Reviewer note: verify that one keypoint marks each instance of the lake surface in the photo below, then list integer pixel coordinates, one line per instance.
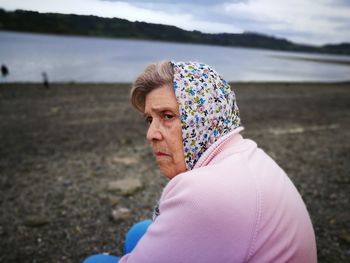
(90, 59)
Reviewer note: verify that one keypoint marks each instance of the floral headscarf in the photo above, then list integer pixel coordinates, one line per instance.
(207, 106)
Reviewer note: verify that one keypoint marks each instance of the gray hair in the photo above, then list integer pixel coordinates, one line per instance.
(154, 76)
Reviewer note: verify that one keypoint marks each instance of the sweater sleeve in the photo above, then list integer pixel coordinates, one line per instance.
(195, 225)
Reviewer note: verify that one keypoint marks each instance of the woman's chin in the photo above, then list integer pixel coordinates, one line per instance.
(166, 171)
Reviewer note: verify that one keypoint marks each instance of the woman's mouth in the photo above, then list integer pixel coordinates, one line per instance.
(161, 154)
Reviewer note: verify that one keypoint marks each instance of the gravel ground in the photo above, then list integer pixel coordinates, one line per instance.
(61, 147)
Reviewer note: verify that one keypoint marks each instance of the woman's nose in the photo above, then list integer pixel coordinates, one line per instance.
(153, 132)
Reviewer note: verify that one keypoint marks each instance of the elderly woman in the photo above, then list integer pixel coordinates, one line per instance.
(227, 200)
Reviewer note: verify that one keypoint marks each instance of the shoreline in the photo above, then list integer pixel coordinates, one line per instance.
(344, 62)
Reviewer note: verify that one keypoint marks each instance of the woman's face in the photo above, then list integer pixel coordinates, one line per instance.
(164, 132)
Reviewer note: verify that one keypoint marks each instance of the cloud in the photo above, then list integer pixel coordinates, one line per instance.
(193, 2)
(341, 2)
(305, 21)
(314, 20)
(126, 10)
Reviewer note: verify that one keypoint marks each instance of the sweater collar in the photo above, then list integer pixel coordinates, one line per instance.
(219, 146)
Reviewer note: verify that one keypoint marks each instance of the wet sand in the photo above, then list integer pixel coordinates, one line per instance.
(60, 147)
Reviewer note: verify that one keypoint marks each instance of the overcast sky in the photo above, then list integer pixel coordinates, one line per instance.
(302, 21)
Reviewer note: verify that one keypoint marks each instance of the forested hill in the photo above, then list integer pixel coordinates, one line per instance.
(28, 21)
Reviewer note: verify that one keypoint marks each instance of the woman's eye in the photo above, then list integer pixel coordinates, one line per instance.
(148, 120)
(168, 116)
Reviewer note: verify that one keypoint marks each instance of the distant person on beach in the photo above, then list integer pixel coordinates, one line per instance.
(46, 82)
(4, 71)
(226, 199)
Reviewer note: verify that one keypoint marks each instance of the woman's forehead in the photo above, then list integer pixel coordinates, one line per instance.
(160, 99)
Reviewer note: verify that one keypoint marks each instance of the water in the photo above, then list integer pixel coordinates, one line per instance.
(90, 59)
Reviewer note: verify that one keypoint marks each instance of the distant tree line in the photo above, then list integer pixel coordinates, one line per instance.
(28, 21)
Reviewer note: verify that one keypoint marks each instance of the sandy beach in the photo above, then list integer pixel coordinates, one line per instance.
(60, 148)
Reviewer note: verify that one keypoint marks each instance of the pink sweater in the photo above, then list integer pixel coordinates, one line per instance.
(237, 205)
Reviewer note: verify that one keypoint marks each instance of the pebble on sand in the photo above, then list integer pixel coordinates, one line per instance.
(121, 214)
(35, 221)
(124, 160)
(125, 186)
